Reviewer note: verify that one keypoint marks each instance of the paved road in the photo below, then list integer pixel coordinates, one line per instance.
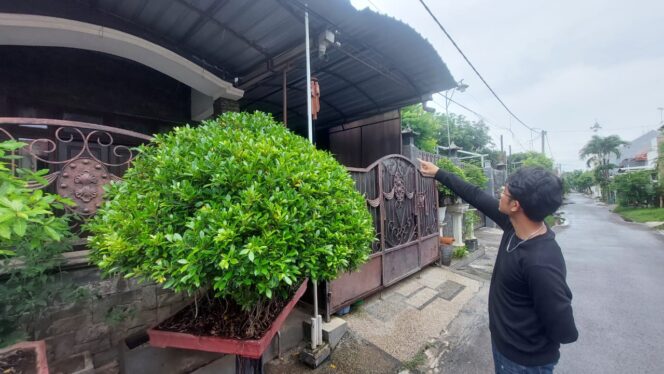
(616, 272)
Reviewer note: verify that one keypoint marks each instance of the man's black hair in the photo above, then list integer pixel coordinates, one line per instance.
(539, 192)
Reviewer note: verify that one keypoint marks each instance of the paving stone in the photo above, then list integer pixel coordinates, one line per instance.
(432, 277)
(422, 298)
(408, 287)
(450, 289)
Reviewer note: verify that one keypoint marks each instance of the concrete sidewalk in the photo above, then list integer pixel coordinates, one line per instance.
(405, 328)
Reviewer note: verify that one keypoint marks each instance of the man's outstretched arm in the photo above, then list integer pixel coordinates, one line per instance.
(481, 200)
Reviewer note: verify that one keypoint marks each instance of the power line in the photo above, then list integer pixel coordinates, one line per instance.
(484, 119)
(374, 5)
(473, 67)
(550, 149)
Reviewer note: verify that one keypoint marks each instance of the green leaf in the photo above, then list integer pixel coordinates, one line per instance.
(19, 227)
(183, 261)
(5, 232)
(52, 233)
(6, 252)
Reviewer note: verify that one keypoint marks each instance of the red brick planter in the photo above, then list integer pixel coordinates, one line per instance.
(250, 348)
(39, 347)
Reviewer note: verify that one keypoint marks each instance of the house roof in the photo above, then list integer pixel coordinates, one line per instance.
(380, 65)
(636, 150)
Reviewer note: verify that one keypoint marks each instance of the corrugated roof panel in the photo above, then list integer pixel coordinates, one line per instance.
(382, 63)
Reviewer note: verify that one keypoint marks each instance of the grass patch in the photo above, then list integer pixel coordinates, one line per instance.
(550, 220)
(420, 358)
(641, 214)
(460, 252)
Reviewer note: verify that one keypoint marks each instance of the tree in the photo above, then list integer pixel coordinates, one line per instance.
(469, 135)
(531, 159)
(426, 125)
(597, 152)
(579, 180)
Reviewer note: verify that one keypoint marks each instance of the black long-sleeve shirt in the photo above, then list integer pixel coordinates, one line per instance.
(530, 304)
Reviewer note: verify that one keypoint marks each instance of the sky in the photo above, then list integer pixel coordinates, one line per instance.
(558, 65)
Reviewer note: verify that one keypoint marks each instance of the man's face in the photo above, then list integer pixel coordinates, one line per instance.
(506, 201)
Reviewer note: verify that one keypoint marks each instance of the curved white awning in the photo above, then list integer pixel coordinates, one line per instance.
(32, 30)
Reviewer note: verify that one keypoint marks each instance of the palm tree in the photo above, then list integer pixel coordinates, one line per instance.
(597, 152)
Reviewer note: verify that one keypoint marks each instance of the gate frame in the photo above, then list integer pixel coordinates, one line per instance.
(422, 243)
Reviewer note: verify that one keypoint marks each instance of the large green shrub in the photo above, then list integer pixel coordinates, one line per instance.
(239, 206)
(635, 189)
(32, 239)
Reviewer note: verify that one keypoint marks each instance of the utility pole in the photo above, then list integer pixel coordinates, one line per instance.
(502, 152)
(543, 135)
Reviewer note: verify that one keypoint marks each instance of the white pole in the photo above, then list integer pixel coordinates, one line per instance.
(306, 44)
(316, 321)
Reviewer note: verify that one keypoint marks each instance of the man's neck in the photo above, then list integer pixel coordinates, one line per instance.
(525, 227)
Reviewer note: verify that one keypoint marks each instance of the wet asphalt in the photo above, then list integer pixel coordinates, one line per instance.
(615, 270)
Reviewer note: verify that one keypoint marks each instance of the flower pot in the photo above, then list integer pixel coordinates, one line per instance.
(445, 254)
(34, 364)
(249, 348)
(446, 240)
(471, 244)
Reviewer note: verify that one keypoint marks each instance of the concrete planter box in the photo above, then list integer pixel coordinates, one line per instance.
(39, 347)
(249, 348)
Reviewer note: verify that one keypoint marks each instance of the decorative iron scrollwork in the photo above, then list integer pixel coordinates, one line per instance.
(80, 177)
(82, 180)
(400, 210)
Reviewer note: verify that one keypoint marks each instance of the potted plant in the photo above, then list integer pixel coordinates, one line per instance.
(470, 219)
(32, 240)
(475, 175)
(446, 240)
(237, 212)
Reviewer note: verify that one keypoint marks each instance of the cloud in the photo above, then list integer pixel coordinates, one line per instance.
(558, 65)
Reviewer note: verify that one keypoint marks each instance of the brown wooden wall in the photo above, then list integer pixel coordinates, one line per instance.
(359, 143)
(72, 84)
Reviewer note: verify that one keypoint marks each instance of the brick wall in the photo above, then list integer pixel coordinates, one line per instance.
(110, 311)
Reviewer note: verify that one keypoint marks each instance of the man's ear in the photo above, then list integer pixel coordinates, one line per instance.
(516, 206)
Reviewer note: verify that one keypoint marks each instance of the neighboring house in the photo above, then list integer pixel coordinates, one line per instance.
(640, 154)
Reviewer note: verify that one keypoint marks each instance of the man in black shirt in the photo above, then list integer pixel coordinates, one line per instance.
(530, 311)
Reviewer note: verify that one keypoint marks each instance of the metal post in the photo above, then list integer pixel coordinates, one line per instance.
(501, 146)
(447, 119)
(316, 328)
(308, 59)
(543, 137)
(285, 99)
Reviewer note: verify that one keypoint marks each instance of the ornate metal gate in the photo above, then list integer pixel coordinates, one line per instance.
(403, 205)
(80, 157)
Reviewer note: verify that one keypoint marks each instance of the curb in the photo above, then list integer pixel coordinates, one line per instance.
(459, 263)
